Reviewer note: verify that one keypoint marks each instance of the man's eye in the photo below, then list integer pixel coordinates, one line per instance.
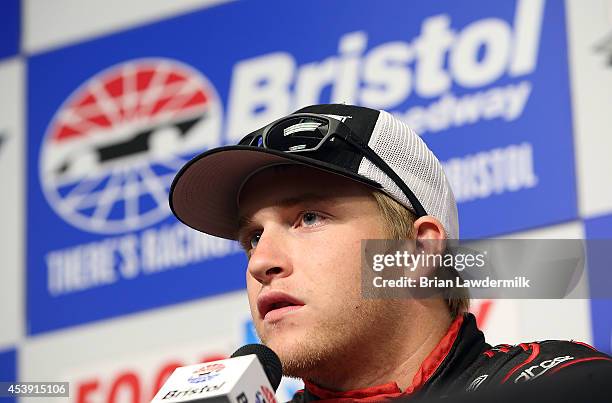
(310, 218)
(254, 240)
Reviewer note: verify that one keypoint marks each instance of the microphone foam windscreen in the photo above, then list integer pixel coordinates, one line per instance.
(268, 358)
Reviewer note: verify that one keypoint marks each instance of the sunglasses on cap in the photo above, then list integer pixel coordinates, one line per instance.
(308, 133)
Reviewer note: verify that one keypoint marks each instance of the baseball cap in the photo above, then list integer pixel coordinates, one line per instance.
(365, 145)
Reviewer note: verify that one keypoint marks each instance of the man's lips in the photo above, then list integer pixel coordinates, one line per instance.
(272, 305)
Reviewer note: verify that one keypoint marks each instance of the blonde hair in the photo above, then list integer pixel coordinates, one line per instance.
(399, 224)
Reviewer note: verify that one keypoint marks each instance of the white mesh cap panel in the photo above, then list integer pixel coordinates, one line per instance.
(405, 152)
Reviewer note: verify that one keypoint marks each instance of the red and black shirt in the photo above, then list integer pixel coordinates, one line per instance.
(463, 362)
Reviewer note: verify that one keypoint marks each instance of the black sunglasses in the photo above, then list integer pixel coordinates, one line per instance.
(308, 132)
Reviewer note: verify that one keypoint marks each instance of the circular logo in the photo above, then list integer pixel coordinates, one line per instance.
(206, 373)
(112, 149)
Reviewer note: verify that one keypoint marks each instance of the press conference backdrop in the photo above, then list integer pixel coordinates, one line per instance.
(102, 102)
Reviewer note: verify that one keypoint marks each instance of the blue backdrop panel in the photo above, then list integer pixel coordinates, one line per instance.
(8, 370)
(600, 228)
(10, 21)
(112, 119)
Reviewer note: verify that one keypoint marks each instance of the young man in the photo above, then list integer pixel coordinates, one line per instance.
(300, 195)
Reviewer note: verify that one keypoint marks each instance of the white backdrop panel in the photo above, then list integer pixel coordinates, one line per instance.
(50, 24)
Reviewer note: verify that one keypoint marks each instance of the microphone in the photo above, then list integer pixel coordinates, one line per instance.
(252, 374)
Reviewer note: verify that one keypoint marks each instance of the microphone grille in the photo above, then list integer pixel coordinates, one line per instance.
(268, 359)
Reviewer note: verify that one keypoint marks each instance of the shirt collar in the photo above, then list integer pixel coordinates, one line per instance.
(391, 390)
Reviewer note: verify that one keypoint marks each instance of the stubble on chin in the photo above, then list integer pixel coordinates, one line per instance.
(301, 356)
(316, 353)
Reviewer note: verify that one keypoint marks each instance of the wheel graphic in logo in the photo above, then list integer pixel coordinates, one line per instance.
(111, 151)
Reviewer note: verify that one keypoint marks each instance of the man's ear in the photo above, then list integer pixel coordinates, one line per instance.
(430, 235)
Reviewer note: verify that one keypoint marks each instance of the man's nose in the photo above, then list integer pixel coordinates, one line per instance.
(270, 259)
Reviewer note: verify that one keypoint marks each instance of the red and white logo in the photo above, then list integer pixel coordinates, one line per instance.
(111, 151)
(206, 373)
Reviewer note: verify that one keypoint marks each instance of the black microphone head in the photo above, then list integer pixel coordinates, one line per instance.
(268, 359)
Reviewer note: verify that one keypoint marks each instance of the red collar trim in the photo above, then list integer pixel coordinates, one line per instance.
(391, 390)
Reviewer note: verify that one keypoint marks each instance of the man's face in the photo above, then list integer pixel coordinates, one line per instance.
(302, 229)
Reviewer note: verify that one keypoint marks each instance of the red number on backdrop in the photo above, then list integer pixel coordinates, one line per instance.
(85, 389)
(127, 380)
(163, 375)
(130, 382)
(481, 311)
